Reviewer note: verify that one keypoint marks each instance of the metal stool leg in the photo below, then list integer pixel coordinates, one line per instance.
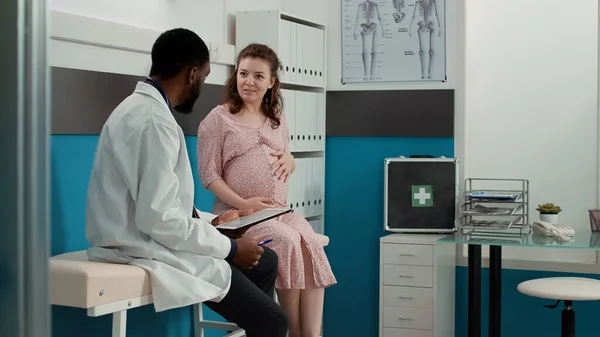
(568, 320)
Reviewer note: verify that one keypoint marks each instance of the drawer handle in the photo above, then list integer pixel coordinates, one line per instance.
(406, 276)
(406, 297)
(405, 319)
(404, 254)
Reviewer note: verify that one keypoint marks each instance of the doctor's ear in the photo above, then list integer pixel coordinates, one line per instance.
(192, 75)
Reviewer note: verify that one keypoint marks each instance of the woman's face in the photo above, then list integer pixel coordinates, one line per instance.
(253, 79)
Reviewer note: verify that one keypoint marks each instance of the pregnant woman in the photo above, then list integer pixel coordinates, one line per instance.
(245, 161)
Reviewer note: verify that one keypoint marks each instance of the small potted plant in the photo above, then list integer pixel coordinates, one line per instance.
(549, 212)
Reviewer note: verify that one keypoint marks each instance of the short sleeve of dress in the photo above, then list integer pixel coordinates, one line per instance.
(210, 149)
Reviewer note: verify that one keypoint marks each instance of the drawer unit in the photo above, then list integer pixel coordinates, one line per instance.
(414, 302)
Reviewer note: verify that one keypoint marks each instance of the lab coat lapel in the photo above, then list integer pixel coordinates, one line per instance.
(146, 89)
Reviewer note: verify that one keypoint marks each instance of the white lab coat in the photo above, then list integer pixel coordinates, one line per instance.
(140, 201)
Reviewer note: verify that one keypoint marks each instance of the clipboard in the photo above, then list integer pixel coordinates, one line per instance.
(254, 218)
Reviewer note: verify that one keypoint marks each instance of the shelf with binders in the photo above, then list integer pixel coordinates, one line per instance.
(305, 115)
(306, 188)
(299, 43)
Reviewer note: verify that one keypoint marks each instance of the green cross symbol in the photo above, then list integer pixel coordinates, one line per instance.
(422, 195)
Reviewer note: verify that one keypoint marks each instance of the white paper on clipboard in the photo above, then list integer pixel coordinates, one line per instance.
(254, 218)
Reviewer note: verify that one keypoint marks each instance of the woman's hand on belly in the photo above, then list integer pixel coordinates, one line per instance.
(284, 166)
(258, 203)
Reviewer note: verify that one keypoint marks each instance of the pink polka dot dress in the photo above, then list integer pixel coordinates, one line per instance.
(241, 156)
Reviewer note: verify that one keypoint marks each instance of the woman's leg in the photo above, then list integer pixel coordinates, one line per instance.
(289, 299)
(311, 301)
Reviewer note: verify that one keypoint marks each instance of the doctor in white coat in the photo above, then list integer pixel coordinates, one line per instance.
(140, 201)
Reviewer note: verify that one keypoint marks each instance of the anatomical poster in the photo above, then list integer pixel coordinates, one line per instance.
(393, 41)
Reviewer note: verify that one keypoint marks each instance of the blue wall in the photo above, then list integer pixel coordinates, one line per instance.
(354, 224)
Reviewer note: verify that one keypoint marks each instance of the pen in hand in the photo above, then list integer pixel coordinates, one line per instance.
(264, 242)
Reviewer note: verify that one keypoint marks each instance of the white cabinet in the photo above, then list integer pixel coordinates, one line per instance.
(300, 45)
(416, 295)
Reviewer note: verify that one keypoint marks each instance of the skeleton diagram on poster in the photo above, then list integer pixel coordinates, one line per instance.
(393, 41)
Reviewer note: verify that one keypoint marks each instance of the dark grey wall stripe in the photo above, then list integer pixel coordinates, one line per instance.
(391, 113)
(82, 100)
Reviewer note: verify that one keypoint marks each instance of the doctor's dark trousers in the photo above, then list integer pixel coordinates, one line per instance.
(249, 302)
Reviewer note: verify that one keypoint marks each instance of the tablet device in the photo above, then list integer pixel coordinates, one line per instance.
(254, 218)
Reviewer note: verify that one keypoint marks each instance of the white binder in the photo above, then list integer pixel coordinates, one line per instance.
(318, 178)
(285, 49)
(289, 110)
(293, 52)
(300, 46)
(320, 60)
(320, 121)
(308, 200)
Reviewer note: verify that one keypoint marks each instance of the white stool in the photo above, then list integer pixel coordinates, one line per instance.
(567, 289)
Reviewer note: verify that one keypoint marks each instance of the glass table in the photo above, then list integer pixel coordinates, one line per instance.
(496, 240)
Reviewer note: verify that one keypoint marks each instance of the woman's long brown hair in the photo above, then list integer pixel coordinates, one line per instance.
(271, 103)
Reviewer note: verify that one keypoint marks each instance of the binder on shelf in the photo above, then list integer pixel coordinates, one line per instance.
(289, 110)
(294, 52)
(318, 179)
(320, 121)
(312, 125)
(308, 45)
(308, 195)
(300, 46)
(320, 57)
(302, 99)
(285, 49)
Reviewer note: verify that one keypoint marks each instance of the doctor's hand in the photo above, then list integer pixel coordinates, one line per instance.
(248, 253)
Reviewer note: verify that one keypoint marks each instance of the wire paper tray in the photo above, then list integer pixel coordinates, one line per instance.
(495, 206)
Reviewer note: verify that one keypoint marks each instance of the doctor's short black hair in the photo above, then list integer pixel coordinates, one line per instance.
(175, 50)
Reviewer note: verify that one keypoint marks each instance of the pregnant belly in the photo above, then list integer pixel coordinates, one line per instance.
(251, 175)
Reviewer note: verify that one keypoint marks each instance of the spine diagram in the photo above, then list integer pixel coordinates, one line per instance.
(399, 14)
